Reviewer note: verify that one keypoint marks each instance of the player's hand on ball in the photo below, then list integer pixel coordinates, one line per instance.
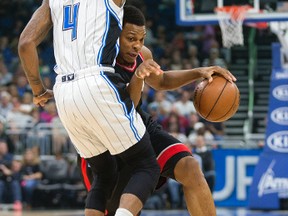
(42, 99)
(146, 68)
(207, 73)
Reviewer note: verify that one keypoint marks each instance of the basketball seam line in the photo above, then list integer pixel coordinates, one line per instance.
(230, 107)
(217, 99)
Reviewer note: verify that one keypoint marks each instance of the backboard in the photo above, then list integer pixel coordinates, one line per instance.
(201, 12)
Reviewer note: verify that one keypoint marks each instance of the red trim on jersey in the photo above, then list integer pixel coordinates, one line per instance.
(129, 69)
(169, 152)
(84, 173)
(132, 68)
(142, 57)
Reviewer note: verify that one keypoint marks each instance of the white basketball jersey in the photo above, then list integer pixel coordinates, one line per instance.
(86, 33)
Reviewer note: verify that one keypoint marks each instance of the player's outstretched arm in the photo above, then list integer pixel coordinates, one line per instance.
(174, 79)
(33, 34)
(144, 70)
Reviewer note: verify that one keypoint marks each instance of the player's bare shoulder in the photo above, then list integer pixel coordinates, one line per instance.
(39, 25)
(119, 3)
(146, 53)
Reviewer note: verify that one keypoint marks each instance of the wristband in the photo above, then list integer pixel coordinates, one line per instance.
(41, 94)
(138, 75)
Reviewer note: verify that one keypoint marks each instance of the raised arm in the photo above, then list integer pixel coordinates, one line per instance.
(174, 79)
(33, 34)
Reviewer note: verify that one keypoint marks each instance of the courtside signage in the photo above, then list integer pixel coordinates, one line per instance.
(269, 183)
(270, 180)
(280, 116)
(281, 92)
(278, 141)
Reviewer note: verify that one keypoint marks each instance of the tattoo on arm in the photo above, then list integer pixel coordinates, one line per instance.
(40, 24)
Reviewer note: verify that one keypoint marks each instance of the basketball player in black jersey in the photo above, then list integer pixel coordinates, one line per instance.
(174, 158)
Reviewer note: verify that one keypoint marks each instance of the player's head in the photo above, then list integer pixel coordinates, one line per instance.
(133, 34)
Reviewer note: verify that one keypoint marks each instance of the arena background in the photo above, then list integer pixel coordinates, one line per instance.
(249, 150)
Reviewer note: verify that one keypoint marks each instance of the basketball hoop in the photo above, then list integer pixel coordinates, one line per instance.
(231, 21)
(281, 30)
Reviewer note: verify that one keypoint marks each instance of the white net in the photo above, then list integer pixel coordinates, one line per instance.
(231, 24)
(281, 30)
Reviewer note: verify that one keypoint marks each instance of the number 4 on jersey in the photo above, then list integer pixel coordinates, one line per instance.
(70, 18)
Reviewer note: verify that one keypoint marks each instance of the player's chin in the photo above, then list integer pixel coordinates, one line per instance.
(130, 59)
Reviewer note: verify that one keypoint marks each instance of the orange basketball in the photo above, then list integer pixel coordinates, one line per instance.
(216, 101)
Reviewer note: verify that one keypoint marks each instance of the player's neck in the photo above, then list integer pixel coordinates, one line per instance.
(124, 63)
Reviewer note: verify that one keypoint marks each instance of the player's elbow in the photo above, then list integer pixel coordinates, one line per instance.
(24, 44)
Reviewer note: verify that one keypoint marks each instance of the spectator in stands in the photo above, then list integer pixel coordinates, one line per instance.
(13, 91)
(214, 59)
(27, 103)
(5, 137)
(49, 112)
(200, 129)
(185, 106)
(5, 103)
(208, 164)
(150, 40)
(6, 49)
(56, 171)
(31, 176)
(18, 119)
(59, 136)
(175, 193)
(193, 56)
(179, 42)
(161, 105)
(22, 85)
(209, 41)
(175, 122)
(9, 179)
(176, 63)
(5, 75)
(217, 129)
(193, 118)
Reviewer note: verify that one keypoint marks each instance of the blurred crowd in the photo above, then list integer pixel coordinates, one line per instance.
(31, 132)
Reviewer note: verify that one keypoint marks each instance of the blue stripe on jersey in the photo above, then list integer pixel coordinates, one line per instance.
(117, 51)
(108, 51)
(113, 13)
(100, 55)
(123, 105)
(110, 48)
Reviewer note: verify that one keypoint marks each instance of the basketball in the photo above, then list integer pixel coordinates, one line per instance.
(216, 101)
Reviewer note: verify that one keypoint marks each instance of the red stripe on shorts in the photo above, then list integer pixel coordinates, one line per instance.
(84, 174)
(169, 152)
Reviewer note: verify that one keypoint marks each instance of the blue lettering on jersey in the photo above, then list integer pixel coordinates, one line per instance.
(70, 18)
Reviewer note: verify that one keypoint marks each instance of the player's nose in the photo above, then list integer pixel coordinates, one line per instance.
(137, 47)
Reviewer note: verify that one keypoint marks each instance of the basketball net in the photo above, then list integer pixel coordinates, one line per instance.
(281, 30)
(231, 21)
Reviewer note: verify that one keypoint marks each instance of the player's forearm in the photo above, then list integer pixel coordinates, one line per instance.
(174, 79)
(33, 34)
(134, 89)
(30, 63)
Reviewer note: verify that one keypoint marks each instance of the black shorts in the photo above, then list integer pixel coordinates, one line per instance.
(169, 151)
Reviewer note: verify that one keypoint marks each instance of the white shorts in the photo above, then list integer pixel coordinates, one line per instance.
(94, 113)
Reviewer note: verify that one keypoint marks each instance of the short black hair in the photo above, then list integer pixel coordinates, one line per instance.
(133, 16)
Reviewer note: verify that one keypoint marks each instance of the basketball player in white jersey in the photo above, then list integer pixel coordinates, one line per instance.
(92, 100)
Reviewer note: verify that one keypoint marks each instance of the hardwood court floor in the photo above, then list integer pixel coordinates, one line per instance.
(220, 212)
